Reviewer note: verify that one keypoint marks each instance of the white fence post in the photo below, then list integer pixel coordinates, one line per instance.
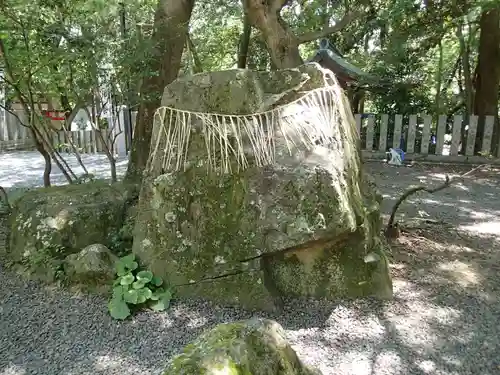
(489, 121)
(426, 134)
(456, 134)
(398, 125)
(441, 131)
(412, 131)
(382, 140)
(370, 127)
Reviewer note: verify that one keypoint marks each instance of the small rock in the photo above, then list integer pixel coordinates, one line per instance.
(95, 263)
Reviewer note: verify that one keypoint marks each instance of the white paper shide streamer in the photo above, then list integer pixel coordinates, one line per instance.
(228, 138)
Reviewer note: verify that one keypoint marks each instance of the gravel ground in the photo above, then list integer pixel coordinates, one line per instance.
(470, 205)
(23, 169)
(445, 318)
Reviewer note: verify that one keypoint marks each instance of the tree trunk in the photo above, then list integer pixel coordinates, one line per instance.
(468, 88)
(171, 25)
(244, 44)
(465, 54)
(112, 164)
(487, 80)
(439, 81)
(46, 157)
(281, 43)
(45, 138)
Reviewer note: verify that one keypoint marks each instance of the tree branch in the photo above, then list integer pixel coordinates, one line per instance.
(391, 226)
(314, 35)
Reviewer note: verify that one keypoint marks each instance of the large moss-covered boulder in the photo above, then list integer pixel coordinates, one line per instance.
(48, 224)
(307, 224)
(251, 347)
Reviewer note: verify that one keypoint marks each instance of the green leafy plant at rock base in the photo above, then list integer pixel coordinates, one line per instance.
(135, 288)
(45, 262)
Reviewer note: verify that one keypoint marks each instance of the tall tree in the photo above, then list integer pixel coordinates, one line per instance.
(281, 41)
(487, 80)
(170, 29)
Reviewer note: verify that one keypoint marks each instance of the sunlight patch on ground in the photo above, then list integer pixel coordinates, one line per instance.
(402, 286)
(414, 332)
(435, 179)
(427, 367)
(13, 370)
(462, 273)
(113, 363)
(478, 215)
(388, 363)
(160, 322)
(452, 360)
(23, 169)
(355, 362)
(367, 323)
(107, 362)
(488, 227)
(437, 202)
(193, 319)
(416, 326)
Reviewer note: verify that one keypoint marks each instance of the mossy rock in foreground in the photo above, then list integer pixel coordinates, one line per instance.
(250, 347)
(48, 224)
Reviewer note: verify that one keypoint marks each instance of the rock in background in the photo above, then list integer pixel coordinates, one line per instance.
(306, 225)
(48, 224)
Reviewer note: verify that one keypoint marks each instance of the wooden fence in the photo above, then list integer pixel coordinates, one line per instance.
(452, 140)
(85, 141)
(420, 136)
(16, 137)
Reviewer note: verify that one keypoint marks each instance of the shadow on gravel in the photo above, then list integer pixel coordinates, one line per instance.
(444, 320)
(470, 204)
(51, 332)
(449, 320)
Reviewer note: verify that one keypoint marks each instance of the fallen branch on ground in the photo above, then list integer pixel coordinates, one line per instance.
(392, 229)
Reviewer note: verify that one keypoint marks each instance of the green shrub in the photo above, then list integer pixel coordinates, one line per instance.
(134, 288)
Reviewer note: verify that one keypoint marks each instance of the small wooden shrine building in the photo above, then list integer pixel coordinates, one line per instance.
(352, 79)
